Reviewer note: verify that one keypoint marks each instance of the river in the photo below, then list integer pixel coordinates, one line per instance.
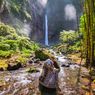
(20, 82)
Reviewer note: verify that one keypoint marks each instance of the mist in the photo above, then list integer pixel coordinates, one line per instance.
(25, 29)
(70, 12)
(43, 2)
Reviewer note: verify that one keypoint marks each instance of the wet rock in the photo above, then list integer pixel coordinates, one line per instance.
(36, 60)
(1, 69)
(14, 67)
(24, 91)
(30, 61)
(15, 91)
(16, 85)
(19, 83)
(65, 65)
(25, 81)
(74, 66)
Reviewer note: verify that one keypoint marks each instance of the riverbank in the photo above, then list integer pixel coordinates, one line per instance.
(72, 78)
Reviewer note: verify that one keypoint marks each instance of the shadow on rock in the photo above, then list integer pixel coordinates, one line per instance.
(47, 91)
(14, 67)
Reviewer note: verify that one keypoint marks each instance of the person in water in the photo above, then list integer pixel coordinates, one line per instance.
(49, 77)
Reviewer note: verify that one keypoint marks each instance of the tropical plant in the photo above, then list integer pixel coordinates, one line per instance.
(70, 40)
(13, 43)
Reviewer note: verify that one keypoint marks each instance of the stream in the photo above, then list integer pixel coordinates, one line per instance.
(20, 82)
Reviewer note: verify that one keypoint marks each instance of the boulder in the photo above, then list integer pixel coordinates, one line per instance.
(42, 54)
(14, 66)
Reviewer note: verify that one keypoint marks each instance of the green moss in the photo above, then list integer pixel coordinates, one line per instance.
(32, 70)
(4, 47)
(43, 54)
(6, 54)
(13, 44)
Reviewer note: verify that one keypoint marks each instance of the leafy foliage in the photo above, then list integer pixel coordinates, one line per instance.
(6, 30)
(6, 54)
(19, 8)
(70, 40)
(68, 36)
(22, 60)
(13, 43)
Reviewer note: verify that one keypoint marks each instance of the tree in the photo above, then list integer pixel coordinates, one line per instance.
(87, 26)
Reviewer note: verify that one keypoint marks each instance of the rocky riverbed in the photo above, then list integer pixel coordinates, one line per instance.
(21, 82)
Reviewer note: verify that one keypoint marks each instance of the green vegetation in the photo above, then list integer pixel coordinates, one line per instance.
(70, 41)
(18, 8)
(11, 44)
(42, 54)
(32, 70)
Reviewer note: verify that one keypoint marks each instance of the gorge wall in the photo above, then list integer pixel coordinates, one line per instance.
(62, 15)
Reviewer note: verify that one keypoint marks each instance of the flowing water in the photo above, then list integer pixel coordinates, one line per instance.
(20, 82)
(46, 30)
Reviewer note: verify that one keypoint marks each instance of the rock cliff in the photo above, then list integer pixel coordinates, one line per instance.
(62, 15)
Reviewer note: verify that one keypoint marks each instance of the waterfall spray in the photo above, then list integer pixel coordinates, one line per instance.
(46, 30)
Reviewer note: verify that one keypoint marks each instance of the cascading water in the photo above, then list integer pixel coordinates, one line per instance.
(46, 30)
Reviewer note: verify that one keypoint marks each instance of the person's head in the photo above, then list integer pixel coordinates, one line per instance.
(48, 61)
(52, 58)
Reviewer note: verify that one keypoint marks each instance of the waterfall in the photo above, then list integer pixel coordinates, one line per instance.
(46, 30)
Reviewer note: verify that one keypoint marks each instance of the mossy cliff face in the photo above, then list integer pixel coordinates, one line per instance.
(26, 16)
(62, 14)
(37, 11)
